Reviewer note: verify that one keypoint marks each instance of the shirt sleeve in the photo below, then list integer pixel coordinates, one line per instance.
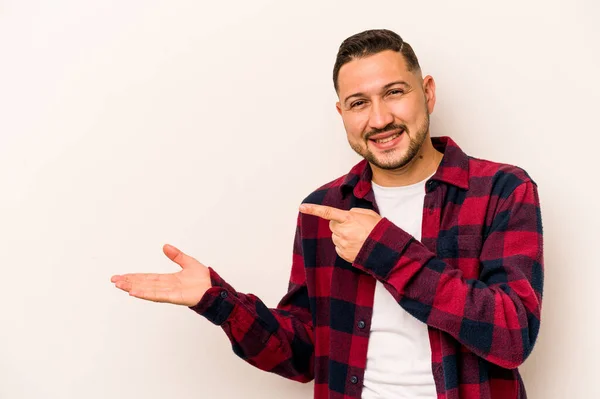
(278, 340)
(497, 315)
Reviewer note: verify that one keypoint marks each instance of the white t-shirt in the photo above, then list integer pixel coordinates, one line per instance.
(399, 352)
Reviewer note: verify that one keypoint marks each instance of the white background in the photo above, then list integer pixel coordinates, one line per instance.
(125, 125)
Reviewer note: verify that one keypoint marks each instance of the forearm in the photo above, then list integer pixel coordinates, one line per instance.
(278, 340)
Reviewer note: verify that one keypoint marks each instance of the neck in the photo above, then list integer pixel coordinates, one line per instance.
(423, 165)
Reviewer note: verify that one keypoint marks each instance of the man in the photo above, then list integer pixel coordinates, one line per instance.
(418, 274)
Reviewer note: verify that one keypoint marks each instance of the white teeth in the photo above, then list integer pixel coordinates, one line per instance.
(381, 141)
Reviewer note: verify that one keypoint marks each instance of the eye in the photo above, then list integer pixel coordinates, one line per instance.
(357, 104)
(395, 92)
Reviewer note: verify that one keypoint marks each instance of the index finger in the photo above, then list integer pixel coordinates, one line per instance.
(325, 212)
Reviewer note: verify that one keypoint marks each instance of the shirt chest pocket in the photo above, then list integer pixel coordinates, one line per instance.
(461, 251)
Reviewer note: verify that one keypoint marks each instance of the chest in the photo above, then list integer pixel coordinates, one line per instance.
(446, 220)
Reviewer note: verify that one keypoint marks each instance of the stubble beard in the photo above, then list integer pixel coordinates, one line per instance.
(391, 160)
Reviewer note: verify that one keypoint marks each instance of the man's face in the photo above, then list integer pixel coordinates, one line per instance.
(385, 108)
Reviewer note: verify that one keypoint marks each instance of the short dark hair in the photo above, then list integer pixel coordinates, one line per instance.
(371, 42)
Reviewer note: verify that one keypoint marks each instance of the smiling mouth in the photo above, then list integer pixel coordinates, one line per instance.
(386, 138)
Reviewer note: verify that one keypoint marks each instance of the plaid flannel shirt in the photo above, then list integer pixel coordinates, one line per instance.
(475, 279)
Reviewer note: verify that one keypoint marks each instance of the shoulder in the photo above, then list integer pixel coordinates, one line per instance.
(334, 193)
(501, 179)
(329, 193)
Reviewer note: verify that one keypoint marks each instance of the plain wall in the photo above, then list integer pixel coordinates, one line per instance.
(127, 125)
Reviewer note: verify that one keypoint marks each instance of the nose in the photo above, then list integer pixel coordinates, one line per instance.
(380, 115)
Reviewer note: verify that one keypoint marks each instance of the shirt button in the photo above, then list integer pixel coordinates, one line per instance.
(354, 379)
(361, 324)
(223, 294)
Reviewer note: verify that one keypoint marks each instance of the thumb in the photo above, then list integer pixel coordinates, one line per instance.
(178, 257)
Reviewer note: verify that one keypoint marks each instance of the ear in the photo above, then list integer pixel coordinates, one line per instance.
(338, 106)
(429, 90)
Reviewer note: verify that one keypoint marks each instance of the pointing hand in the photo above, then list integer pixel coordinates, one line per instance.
(350, 228)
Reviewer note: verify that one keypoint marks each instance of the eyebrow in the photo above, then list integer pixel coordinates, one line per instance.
(387, 86)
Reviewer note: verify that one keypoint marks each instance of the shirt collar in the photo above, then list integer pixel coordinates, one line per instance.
(453, 169)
